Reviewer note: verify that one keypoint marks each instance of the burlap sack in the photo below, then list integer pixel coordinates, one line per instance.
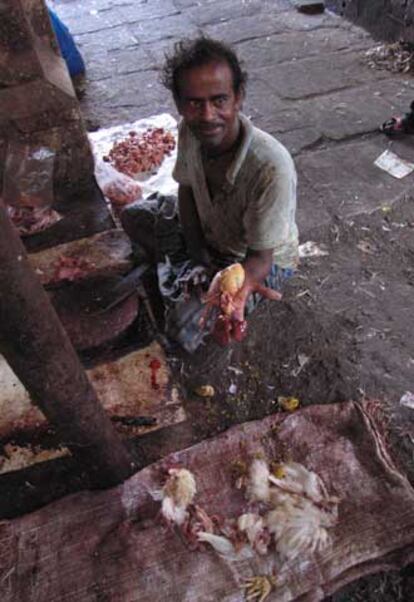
(112, 546)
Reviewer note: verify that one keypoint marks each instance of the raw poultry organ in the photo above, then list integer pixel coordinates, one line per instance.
(30, 220)
(222, 293)
(70, 268)
(123, 194)
(141, 153)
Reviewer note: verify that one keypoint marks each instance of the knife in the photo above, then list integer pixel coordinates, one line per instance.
(122, 290)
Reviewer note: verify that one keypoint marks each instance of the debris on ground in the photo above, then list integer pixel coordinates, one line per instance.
(312, 249)
(397, 57)
(205, 391)
(288, 404)
(394, 165)
(407, 400)
(16, 457)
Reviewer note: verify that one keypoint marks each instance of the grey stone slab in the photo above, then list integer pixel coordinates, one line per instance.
(267, 22)
(298, 140)
(403, 147)
(292, 20)
(337, 116)
(183, 4)
(106, 64)
(224, 10)
(155, 9)
(263, 106)
(398, 91)
(135, 89)
(178, 26)
(349, 113)
(93, 21)
(108, 115)
(245, 28)
(343, 181)
(317, 75)
(76, 9)
(157, 50)
(117, 38)
(281, 47)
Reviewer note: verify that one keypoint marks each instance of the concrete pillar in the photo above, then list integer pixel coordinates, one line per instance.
(38, 105)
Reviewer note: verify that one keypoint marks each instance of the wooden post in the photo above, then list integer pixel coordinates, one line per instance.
(39, 351)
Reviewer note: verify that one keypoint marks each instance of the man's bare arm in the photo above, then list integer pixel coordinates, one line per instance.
(190, 222)
(257, 265)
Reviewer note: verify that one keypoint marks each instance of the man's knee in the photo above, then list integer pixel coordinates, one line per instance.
(135, 221)
(139, 224)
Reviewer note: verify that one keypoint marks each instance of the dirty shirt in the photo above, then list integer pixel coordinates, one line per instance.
(256, 206)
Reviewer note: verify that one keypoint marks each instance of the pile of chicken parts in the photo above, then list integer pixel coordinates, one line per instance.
(142, 153)
(288, 513)
(30, 220)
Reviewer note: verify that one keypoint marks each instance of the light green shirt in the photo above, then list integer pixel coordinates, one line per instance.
(256, 207)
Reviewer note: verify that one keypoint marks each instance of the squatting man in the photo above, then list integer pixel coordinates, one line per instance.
(236, 197)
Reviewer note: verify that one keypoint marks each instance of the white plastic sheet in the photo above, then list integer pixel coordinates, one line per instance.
(161, 181)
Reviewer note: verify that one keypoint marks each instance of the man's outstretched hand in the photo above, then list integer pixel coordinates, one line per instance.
(250, 287)
(229, 291)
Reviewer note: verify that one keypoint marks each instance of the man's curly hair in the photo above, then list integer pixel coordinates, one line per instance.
(189, 53)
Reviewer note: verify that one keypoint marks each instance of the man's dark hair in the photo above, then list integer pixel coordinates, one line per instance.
(195, 53)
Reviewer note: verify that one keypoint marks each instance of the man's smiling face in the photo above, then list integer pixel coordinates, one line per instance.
(209, 105)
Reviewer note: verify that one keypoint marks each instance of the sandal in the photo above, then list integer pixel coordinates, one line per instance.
(397, 126)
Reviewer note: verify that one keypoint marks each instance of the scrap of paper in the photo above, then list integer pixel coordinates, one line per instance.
(394, 165)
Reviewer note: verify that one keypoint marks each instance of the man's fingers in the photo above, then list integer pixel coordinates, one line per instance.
(268, 293)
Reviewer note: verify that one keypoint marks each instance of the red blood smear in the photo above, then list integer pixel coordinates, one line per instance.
(154, 365)
(222, 330)
(239, 330)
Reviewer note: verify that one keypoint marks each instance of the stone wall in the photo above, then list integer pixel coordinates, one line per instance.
(388, 20)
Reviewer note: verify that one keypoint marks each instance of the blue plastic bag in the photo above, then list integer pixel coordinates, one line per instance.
(68, 49)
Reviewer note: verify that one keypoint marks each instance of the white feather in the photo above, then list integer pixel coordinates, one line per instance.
(298, 528)
(224, 546)
(253, 526)
(258, 483)
(298, 479)
(172, 512)
(178, 493)
(181, 486)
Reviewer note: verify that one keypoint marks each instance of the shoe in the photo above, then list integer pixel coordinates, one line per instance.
(397, 126)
